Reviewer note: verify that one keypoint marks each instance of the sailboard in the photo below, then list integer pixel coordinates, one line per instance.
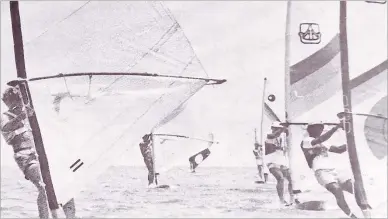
(313, 82)
(101, 89)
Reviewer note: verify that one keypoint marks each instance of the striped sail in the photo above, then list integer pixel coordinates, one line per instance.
(368, 70)
(314, 75)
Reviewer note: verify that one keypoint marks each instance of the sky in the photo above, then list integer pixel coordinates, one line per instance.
(242, 42)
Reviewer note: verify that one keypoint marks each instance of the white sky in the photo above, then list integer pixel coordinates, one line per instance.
(238, 41)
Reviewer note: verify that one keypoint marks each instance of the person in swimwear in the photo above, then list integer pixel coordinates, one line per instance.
(259, 156)
(275, 157)
(17, 132)
(146, 151)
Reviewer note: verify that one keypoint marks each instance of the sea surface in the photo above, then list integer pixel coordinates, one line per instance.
(122, 192)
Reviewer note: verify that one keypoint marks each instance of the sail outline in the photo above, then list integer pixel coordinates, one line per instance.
(19, 58)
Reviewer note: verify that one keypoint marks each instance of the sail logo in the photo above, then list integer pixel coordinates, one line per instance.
(309, 33)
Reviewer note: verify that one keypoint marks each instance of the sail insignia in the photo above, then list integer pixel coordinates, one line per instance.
(309, 33)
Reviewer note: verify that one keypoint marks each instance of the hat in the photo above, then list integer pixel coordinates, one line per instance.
(315, 123)
(276, 124)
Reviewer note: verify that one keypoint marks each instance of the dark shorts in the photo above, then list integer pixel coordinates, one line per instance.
(25, 159)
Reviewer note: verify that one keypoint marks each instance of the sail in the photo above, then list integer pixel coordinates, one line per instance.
(196, 159)
(369, 81)
(368, 85)
(313, 69)
(100, 78)
(172, 150)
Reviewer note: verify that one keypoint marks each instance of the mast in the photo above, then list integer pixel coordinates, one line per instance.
(287, 88)
(153, 159)
(21, 73)
(262, 111)
(347, 102)
(261, 140)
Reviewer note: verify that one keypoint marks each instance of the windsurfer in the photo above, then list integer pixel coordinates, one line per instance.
(258, 152)
(17, 132)
(276, 160)
(146, 151)
(317, 158)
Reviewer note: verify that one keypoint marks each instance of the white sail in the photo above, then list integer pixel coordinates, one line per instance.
(368, 86)
(369, 81)
(90, 106)
(313, 73)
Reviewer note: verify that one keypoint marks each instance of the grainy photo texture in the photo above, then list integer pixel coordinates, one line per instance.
(176, 109)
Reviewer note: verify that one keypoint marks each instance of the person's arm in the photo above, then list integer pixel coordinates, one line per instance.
(276, 133)
(9, 125)
(256, 150)
(257, 145)
(325, 136)
(270, 147)
(310, 149)
(338, 149)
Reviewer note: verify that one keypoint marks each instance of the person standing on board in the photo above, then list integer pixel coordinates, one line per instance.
(275, 157)
(146, 151)
(317, 157)
(258, 152)
(17, 132)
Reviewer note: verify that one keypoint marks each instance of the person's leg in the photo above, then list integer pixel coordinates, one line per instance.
(150, 167)
(347, 185)
(328, 179)
(277, 173)
(69, 209)
(32, 173)
(260, 170)
(265, 173)
(148, 161)
(287, 175)
(259, 164)
(338, 193)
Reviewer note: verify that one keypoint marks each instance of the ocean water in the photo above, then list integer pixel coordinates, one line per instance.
(122, 192)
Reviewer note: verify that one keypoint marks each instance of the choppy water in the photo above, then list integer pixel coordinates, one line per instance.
(122, 192)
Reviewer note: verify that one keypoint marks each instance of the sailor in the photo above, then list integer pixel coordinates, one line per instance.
(259, 156)
(17, 132)
(275, 157)
(317, 157)
(146, 151)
